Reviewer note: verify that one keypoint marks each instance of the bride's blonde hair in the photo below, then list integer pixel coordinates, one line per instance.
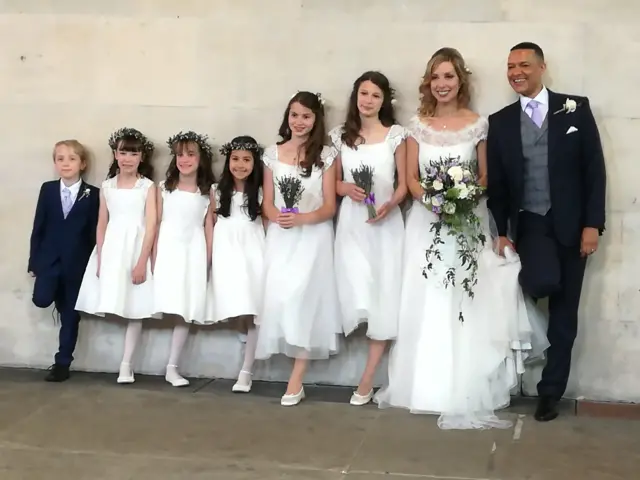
(427, 100)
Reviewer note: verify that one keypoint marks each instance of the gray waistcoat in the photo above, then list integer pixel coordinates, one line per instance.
(536, 195)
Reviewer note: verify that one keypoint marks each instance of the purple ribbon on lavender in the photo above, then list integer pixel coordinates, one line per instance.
(370, 199)
(289, 210)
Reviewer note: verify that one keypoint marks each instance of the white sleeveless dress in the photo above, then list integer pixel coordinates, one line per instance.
(180, 274)
(237, 270)
(368, 257)
(462, 372)
(300, 314)
(113, 292)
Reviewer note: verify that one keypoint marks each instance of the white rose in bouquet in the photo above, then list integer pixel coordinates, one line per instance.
(463, 191)
(456, 173)
(437, 185)
(449, 208)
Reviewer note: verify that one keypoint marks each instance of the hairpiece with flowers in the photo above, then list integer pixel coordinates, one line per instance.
(253, 147)
(121, 133)
(393, 96)
(317, 94)
(190, 136)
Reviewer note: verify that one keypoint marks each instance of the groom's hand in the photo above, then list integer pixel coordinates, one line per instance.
(504, 242)
(589, 243)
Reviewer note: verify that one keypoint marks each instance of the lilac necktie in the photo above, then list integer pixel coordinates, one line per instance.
(66, 202)
(536, 114)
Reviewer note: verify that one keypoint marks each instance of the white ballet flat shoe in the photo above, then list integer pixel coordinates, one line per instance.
(358, 400)
(126, 374)
(243, 385)
(174, 378)
(292, 399)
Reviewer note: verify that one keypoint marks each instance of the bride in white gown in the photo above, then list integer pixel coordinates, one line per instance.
(461, 371)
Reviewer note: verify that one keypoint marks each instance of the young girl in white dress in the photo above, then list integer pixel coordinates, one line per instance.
(238, 246)
(300, 314)
(370, 231)
(182, 252)
(461, 371)
(118, 278)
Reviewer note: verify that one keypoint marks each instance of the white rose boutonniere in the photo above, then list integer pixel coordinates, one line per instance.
(568, 107)
(85, 193)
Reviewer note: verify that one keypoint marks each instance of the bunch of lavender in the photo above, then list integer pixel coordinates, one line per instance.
(291, 190)
(363, 178)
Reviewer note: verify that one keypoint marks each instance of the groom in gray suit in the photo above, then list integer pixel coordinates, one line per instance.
(546, 187)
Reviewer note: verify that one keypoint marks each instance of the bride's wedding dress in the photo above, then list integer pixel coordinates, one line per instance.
(461, 371)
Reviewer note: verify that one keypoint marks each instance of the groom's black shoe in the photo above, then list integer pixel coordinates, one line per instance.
(547, 409)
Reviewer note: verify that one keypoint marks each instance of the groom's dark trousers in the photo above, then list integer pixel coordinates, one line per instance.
(546, 185)
(551, 269)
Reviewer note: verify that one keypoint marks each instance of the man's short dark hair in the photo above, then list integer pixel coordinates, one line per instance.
(530, 46)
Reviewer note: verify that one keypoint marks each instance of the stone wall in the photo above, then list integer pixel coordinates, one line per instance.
(78, 68)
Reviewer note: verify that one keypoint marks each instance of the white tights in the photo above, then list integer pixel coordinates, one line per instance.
(250, 349)
(178, 340)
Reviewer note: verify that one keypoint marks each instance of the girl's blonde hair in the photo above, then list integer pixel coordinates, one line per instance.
(427, 100)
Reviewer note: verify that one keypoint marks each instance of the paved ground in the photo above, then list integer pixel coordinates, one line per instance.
(92, 429)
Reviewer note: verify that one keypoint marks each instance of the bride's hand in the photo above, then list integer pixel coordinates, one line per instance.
(504, 242)
(419, 196)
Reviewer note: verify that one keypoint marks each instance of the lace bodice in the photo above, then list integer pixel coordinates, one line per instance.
(312, 197)
(126, 205)
(436, 144)
(380, 156)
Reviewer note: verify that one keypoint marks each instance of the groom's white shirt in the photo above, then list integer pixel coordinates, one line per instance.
(542, 98)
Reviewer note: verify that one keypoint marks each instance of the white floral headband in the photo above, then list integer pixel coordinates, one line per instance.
(319, 95)
(124, 132)
(190, 136)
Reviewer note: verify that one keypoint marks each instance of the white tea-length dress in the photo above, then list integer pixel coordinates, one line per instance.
(180, 273)
(114, 292)
(237, 267)
(461, 371)
(368, 257)
(300, 313)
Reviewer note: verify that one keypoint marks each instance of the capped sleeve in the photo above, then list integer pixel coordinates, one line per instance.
(397, 134)
(328, 156)
(335, 136)
(269, 156)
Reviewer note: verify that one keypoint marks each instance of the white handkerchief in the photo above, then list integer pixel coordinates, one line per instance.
(571, 130)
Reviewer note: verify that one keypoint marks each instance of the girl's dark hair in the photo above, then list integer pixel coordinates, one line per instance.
(252, 185)
(131, 140)
(313, 146)
(353, 123)
(204, 174)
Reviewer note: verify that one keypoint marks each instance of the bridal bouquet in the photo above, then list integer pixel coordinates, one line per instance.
(452, 192)
(291, 190)
(363, 178)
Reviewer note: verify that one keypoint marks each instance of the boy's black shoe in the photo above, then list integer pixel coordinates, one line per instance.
(547, 409)
(57, 373)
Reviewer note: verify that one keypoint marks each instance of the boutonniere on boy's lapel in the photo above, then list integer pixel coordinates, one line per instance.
(85, 193)
(568, 107)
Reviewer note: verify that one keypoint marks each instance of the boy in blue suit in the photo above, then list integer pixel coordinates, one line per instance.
(63, 236)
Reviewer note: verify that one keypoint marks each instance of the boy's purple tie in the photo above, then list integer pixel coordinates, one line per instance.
(66, 202)
(536, 114)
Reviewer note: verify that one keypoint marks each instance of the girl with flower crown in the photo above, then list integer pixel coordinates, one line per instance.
(300, 314)
(238, 246)
(118, 278)
(182, 252)
(370, 231)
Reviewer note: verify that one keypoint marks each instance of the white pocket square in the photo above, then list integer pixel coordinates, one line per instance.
(571, 130)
